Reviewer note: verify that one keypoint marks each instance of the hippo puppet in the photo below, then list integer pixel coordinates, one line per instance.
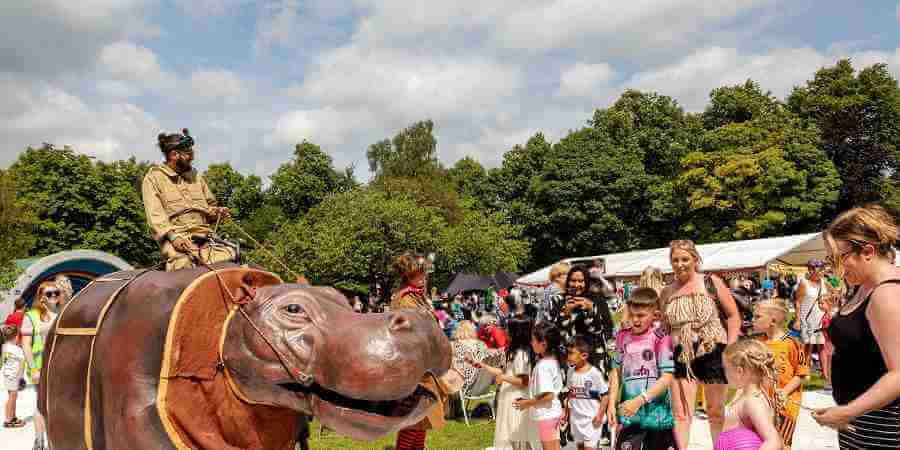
(230, 358)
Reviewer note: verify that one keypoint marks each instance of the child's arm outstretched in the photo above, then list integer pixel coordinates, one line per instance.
(601, 412)
(519, 381)
(758, 413)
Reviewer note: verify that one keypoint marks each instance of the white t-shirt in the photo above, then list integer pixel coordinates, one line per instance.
(13, 359)
(585, 390)
(546, 377)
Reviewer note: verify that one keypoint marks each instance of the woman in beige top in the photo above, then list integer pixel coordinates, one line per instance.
(692, 314)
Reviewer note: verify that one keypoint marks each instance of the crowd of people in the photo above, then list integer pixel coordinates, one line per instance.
(564, 370)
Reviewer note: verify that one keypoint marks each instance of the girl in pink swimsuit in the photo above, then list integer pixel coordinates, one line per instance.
(750, 417)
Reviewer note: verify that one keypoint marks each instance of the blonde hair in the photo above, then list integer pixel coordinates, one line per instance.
(38, 304)
(652, 278)
(560, 268)
(867, 225)
(465, 330)
(688, 246)
(777, 305)
(754, 356)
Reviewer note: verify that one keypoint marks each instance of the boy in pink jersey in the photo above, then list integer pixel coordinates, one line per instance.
(644, 367)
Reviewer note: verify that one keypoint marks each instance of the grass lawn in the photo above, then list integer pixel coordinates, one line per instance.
(454, 436)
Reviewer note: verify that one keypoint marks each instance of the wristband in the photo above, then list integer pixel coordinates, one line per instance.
(645, 397)
(170, 236)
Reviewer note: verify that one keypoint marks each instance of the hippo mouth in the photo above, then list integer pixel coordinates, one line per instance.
(364, 419)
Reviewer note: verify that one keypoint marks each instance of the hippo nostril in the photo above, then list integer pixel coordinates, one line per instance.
(399, 323)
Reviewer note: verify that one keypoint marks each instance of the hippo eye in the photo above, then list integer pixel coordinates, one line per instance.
(293, 308)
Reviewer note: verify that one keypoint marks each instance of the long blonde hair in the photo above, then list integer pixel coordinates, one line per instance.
(754, 356)
(465, 330)
(652, 278)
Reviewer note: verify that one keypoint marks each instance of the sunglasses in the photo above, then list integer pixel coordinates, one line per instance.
(51, 294)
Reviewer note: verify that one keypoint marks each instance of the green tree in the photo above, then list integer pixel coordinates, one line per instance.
(412, 153)
(656, 127)
(243, 194)
(17, 222)
(758, 173)
(859, 117)
(407, 166)
(468, 177)
(306, 180)
(349, 239)
(62, 186)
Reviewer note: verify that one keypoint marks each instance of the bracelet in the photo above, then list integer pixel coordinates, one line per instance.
(170, 236)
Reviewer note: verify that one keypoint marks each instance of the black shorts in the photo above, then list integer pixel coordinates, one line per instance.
(708, 368)
(633, 437)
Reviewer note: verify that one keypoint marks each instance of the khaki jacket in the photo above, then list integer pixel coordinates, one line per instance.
(176, 203)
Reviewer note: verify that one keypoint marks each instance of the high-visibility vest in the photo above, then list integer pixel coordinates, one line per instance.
(37, 341)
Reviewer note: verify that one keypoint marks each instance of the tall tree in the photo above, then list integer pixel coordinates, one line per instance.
(412, 153)
(859, 117)
(242, 194)
(758, 173)
(62, 187)
(468, 178)
(307, 179)
(407, 166)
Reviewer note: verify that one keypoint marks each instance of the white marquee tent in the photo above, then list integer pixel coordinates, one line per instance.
(749, 255)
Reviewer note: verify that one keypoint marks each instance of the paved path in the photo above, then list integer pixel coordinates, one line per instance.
(809, 435)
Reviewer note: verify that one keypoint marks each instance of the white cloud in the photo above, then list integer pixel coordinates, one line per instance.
(691, 79)
(129, 62)
(277, 24)
(216, 84)
(321, 126)
(40, 112)
(408, 85)
(582, 78)
(49, 37)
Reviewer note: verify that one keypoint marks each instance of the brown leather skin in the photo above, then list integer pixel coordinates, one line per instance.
(352, 358)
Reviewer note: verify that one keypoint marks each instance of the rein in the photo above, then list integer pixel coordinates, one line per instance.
(297, 375)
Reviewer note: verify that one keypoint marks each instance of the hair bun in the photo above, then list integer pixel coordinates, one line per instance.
(161, 137)
(185, 132)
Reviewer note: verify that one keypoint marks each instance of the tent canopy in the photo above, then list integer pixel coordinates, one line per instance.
(793, 250)
(471, 282)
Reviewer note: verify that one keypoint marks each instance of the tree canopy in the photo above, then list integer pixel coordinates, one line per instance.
(638, 173)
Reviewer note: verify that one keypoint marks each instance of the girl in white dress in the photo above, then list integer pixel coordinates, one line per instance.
(515, 429)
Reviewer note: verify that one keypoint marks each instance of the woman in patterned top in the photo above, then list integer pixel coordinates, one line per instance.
(692, 314)
(585, 314)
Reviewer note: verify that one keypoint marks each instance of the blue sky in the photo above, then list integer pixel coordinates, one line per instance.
(250, 79)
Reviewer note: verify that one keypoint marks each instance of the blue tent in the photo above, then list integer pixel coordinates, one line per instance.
(81, 266)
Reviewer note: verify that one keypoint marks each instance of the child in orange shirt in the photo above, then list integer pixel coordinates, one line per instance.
(791, 362)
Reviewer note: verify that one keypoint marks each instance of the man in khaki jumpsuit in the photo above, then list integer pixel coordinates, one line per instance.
(179, 205)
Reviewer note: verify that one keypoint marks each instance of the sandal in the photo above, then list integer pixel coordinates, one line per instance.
(14, 423)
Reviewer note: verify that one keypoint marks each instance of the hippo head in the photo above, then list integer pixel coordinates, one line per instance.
(358, 373)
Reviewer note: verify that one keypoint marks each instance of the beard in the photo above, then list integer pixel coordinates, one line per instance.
(182, 166)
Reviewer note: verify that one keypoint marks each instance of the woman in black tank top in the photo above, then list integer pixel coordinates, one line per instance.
(865, 332)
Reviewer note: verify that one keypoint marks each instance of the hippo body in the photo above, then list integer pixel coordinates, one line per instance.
(359, 372)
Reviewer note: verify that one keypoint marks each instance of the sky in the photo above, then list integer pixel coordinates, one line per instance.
(251, 79)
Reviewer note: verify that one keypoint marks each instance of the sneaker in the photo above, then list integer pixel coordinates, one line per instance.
(39, 444)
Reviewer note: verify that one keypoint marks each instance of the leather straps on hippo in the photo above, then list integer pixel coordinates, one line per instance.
(240, 356)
